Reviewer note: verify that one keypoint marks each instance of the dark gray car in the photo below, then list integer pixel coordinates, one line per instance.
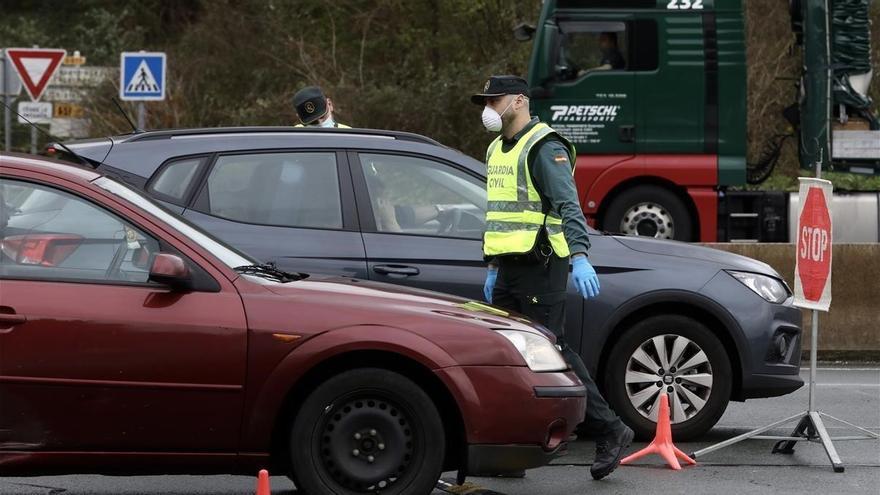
(702, 325)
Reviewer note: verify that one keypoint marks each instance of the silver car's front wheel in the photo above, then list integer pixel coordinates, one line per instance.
(673, 355)
(669, 364)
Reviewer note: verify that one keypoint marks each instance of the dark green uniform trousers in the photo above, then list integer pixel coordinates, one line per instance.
(538, 291)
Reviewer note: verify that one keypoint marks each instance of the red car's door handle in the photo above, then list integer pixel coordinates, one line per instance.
(9, 319)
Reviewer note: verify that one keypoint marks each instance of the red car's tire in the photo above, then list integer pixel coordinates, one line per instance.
(367, 430)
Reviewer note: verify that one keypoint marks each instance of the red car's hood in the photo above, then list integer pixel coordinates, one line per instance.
(389, 303)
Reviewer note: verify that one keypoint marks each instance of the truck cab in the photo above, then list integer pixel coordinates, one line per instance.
(653, 94)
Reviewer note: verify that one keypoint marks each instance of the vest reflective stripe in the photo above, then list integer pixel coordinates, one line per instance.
(514, 214)
(496, 226)
(513, 206)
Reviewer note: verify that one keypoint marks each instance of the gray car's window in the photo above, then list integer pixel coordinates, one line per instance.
(52, 235)
(175, 178)
(284, 189)
(412, 195)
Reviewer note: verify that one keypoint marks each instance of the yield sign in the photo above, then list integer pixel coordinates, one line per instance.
(812, 279)
(35, 67)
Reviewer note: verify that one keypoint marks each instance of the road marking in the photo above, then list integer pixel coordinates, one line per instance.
(859, 385)
(807, 369)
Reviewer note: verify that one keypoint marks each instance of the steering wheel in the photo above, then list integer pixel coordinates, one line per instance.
(449, 221)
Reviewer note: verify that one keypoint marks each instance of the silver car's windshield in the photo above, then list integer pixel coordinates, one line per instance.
(229, 256)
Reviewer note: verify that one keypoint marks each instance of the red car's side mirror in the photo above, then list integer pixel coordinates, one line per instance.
(170, 270)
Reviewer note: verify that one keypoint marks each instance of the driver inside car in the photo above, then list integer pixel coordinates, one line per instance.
(392, 217)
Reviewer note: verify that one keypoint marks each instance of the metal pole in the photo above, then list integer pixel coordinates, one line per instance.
(7, 115)
(142, 115)
(34, 132)
(7, 123)
(814, 343)
(814, 338)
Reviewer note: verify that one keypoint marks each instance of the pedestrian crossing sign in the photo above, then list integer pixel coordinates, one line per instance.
(142, 76)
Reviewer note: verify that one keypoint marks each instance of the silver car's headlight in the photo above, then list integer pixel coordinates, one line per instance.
(538, 352)
(771, 289)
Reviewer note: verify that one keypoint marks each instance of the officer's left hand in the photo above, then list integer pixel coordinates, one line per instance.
(585, 279)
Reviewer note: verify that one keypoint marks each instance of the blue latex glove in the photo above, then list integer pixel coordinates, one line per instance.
(491, 277)
(585, 279)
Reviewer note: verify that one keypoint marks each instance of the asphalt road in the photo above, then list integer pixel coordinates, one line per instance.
(852, 394)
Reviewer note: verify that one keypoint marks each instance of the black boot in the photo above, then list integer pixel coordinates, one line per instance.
(609, 452)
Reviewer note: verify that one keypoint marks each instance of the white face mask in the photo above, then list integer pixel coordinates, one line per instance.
(328, 123)
(492, 119)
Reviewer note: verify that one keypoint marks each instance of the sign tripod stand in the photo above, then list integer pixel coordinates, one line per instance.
(810, 426)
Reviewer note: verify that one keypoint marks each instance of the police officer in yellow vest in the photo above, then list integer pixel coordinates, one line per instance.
(315, 109)
(534, 223)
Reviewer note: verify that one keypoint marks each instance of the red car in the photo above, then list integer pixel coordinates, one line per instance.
(133, 342)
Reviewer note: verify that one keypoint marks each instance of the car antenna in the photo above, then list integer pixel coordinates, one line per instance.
(58, 141)
(134, 128)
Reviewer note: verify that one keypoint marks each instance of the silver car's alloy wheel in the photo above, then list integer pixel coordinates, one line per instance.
(648, 219)
(673, 365)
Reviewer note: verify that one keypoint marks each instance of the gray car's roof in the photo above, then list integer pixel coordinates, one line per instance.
(157, 145)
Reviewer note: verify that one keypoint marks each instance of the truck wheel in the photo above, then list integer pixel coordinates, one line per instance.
(367, 431)
(674, 355)
(651, 211)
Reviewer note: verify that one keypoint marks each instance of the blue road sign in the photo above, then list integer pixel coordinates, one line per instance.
(142, 76)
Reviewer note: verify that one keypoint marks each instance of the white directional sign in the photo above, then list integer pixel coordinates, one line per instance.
(37, 112)
(142, 76)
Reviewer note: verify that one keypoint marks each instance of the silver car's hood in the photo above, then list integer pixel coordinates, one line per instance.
(678, 249)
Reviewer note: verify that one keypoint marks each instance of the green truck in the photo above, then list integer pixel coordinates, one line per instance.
(653, 93)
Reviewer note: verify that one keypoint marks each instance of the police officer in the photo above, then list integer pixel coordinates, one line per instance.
(315, 109)
(534, 223)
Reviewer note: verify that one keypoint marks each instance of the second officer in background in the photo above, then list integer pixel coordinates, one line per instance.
(315, 109)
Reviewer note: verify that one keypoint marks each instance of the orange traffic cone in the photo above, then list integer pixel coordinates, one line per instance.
(263, 483)
(662, 443)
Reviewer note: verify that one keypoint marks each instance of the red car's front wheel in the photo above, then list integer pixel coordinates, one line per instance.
(367, 431)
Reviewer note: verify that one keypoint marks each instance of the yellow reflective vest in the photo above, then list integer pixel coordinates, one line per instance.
(338, 126)
(514, 214)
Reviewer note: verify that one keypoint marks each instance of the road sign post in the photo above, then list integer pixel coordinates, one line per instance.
(11, 87)
(7, 123)
(142, 78)
(5, 76)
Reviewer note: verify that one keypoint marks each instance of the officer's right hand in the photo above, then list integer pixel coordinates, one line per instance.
(585, 279)
(489, 286)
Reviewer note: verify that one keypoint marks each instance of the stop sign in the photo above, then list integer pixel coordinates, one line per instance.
(813, 265)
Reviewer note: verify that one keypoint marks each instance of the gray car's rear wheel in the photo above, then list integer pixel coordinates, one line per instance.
(672, 355)
(367, 431)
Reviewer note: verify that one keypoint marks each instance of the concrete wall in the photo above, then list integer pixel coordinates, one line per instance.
(852, 326)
